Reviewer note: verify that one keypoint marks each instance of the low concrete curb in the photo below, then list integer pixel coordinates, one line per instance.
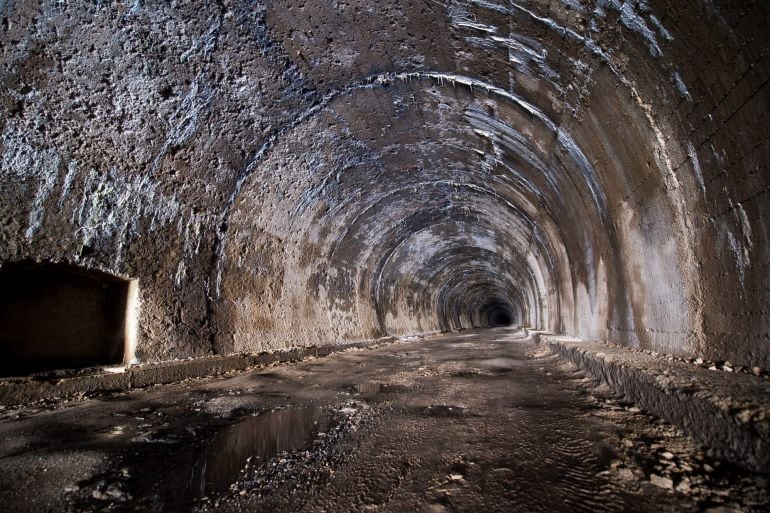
(16, 391)
(728, 413)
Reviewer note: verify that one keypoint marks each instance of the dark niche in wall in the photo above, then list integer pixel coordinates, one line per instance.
(56, 316)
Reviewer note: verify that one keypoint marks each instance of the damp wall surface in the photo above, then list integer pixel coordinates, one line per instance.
(293, 173)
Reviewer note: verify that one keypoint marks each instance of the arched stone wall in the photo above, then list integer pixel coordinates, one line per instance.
(293, 173)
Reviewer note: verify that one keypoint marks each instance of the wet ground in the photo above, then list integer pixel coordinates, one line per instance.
(478, 421)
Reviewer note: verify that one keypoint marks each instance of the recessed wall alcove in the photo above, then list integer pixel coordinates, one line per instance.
(57, 316)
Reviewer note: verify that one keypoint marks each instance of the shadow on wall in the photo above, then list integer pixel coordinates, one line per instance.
(55, 316)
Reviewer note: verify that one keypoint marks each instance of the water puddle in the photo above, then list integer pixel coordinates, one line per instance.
(256, 440)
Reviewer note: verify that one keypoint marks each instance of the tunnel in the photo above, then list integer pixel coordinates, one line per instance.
(298, 177)
(273, 180)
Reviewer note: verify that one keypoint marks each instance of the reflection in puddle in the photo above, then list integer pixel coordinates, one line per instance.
(261, 437)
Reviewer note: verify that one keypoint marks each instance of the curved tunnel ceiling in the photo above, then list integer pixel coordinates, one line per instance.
(449, 154)
(339, 171)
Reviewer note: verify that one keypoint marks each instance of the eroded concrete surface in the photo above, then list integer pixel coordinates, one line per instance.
(478, 421)
(292, 173)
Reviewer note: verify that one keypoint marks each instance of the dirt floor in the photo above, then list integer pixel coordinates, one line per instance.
(478, 421)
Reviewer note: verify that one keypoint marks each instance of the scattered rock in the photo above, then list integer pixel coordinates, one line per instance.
(100, 496)
(684, 485)
(662, 482)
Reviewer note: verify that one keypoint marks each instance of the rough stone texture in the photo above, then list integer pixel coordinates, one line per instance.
(289, 173)
(729, 413)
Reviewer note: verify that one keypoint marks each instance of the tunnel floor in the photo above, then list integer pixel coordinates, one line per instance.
(477, 421)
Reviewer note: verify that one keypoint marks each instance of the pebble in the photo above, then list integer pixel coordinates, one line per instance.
(118, 495)
(662, 482)
(96, 494)
(684, 486)
(756, 371)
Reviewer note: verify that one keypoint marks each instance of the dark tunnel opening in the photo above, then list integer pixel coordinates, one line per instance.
(500, 318)
(497, 313)
(57, 316)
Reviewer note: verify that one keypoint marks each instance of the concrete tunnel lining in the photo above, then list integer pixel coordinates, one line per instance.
(608, 157)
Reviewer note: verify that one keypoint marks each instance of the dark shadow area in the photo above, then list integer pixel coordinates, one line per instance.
(496, 310)
(55, 316)
(500, 318)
